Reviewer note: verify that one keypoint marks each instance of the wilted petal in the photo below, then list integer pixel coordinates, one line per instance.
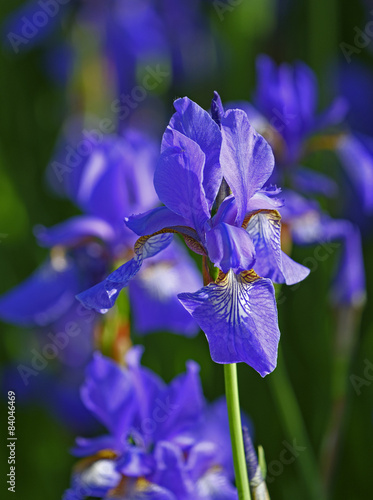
(246, 159)
(230, 247)
(264, 228)
(239, 317)
(195, 123)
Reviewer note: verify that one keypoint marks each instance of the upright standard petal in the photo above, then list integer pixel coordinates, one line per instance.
(178, 181)
(246, 159)
(239, 317)
(230, 247)
(195, 123)
(264, 228)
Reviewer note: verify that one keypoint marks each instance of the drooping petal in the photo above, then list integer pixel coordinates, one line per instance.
(239, 317)
(356, 155)
(75, 230)
(102, 296)
(195, 123)
(264, 228)
(178, 181)
(246, 159)
(230, 247)
(44, 296)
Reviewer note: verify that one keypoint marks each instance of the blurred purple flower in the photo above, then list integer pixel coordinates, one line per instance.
(156, 444)
(113, 181)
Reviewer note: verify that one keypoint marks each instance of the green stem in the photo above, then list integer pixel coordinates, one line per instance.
(239, 459)
(292, 421)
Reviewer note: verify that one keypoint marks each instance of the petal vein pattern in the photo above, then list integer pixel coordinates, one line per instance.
(239, 317)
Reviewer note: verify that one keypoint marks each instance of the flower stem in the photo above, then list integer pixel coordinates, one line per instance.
(239, 459)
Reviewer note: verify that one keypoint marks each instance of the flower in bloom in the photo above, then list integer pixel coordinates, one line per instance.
(237, 312)
(284, 110)
(113, 180)
(163, 442)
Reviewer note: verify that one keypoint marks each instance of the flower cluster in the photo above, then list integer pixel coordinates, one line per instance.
(164, 442)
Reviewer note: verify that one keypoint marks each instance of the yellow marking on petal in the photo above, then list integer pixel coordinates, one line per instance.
(246, 276)
(102, 454)
(273, 215)
(193, 244)
(142, 484)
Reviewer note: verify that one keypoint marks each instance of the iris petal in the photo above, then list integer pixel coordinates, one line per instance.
(102, 296)
(246, 159)
(230, 247)
(239, 317)
(178, 181)
(195, 123)
(264, 228)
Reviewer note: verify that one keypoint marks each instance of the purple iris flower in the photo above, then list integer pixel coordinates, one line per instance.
(242, 239)
(284, 110)
(112, 181)
(160, 442)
